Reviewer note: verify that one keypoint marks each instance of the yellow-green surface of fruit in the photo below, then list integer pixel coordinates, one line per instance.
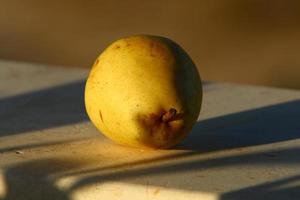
(144, 91)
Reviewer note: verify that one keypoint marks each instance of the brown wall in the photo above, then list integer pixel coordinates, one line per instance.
(249, 41)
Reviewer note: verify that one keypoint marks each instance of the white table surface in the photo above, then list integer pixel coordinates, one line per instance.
(246, 144)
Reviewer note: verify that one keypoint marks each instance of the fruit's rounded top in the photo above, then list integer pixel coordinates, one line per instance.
(144, 39)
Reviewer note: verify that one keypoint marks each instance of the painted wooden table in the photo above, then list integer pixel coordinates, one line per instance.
(246, 144)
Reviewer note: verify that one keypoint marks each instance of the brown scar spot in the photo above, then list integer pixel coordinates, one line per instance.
(178, 116)
(169, 115)
(161, 123)
(166, 135)
(151, 131)
(127, 45)
(101, 116)
(117, 47)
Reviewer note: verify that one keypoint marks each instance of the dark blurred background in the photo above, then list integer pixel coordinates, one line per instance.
(244, 41)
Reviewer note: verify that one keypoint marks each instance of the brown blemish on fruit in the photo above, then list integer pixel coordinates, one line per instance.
(97, 61)
(161, 123)
(101, 116)
(169, 115)
(151, 131)
(152, 49)
(159, 50)
(177, 116)
(117, 47)
(152, 44)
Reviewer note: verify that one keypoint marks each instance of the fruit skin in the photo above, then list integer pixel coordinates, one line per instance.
(135, 83)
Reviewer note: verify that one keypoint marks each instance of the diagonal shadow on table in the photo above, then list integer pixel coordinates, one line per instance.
(287, 188)
(41, 109)
(30, 180)
(264, 125)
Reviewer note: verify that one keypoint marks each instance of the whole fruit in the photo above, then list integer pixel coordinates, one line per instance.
(144, 91)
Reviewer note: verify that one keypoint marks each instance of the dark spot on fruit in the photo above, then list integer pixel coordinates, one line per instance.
(117, 47)
(101, 117)
(127, 45)
(158, 128)
(178, 116)
(169, 115)
(151, 131)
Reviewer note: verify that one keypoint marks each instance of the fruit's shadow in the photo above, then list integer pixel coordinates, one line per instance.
(264, 125)
(37, 110)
